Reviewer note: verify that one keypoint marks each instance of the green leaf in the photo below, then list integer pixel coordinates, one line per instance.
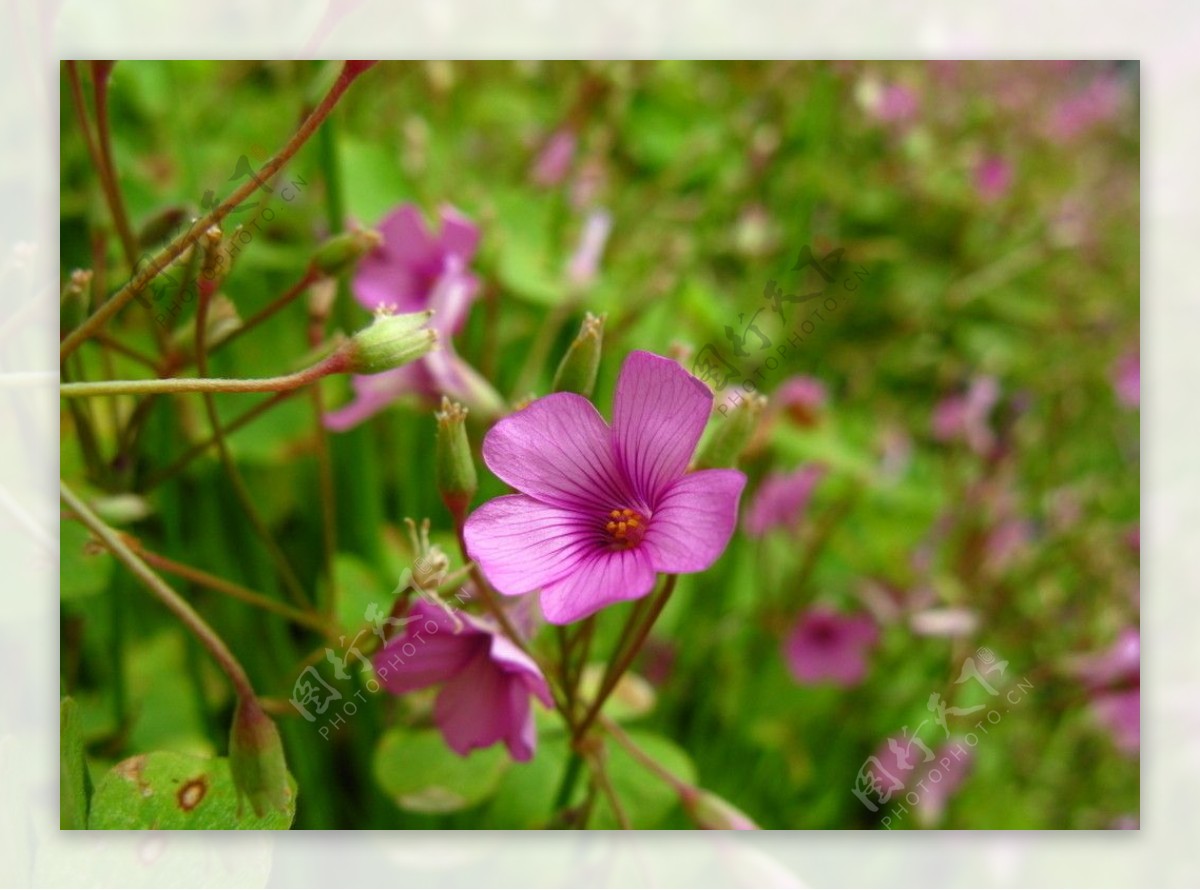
(166, 790)
(420, 773)
(81, 573)
(358, 587)
(74, 784)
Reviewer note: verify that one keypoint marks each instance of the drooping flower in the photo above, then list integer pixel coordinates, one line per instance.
(1114, 680)
(487, 681)
(781, 500)
(830, 646)
(601, 509)
(414, 270)
(1128, 379)
(802, 398)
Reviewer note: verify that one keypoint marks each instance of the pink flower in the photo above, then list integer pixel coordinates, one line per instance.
(781, 500)
(411, 271)
(603, 509)
(802, 398)
(993, 176)
(1114, 678)
(486, 680)
(826, 645)
(1099, 101)
(1128, 379)
(554, 160)
(965, 416)
(896, 103)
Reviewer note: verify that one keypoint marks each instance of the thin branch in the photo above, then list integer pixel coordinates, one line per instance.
(163, 591)
(185, 239)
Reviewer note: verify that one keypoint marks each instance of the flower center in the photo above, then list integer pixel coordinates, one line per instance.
(625, 528)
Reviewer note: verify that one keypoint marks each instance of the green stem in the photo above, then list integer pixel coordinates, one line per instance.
(179, 244)
(625, 656)
(246, 595)
(286, 572)
(166, 595)
(334, 364)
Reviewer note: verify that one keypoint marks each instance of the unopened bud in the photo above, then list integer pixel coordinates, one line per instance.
(577, 370)
(714, 813)
(75, 301)
(456, 477)
(732, 434)
(256, 759)
(389, 342)
(342, 251)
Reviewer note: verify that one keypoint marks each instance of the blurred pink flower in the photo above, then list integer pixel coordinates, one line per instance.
(802, 398)
(553, 162)
(827, 645)
(993, 176)
(603, 509)
(896, 103)
(584, 263)
(781, 500)
(1113, 677)
(933, 775)
(1099, 101)
(487, 682)
(411, 271)
(965, 416)
(1006, 542)
(1128, 379)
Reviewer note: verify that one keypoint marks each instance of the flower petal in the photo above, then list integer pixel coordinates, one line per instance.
(521, 738)
(603, 577)
(451, 297)
(436, 659)
(521, 544)
(459, 236)
(694, 520)
(559, 450)
(393, 274)
(659, 412)
(508, 657)
(474, 710)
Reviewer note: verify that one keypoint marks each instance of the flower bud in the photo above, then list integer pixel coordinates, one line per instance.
(732, 433)
(714, 813)
(76, 300)
(256, 759)
(389, 342)
(577, 370)
(342, 251)
(456, 478)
